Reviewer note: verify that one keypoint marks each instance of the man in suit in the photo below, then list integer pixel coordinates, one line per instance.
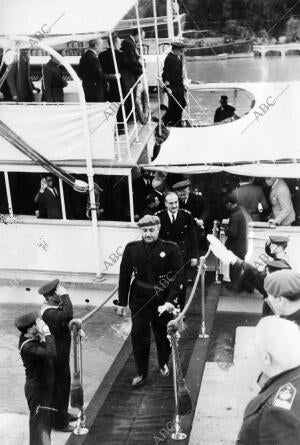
(272, 417)
(141, 186)
(195, 204)
(157, 268)
(283, 213)
(56, 312)
(172, 77)
(37, 350)
(178, 225)
(19, 81)
(90, 71)
(252, 198)
(47, 199)
(53, 82)
(225, 111)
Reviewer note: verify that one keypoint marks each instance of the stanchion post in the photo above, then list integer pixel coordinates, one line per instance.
(203, 323)
(177, 434)
(217, 261)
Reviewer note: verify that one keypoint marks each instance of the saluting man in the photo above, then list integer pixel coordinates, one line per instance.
(177, 225)
(37, 350)
(157, 268)
(56, 312)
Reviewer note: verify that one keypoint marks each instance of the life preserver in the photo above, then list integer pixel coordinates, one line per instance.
(141, 103)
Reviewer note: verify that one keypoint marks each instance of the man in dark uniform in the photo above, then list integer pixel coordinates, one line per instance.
(157, 268)
(195, 204)
(56, 312)
(273, 416)
(177, 225)
(54, 84)
(47, 199)
(276, 248)
(37, 350)
(142, 186)
(172, 77)
(90, 71)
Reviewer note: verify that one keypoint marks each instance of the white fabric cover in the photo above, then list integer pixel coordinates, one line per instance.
(56, 131)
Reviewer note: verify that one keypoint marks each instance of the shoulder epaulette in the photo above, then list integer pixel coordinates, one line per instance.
(158, 212)
(171, 243)
(186, 211)
(284, 397)
(131, 243)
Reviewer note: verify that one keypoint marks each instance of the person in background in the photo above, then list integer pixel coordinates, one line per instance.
(276, 248)
(18, 79)
(56, 312)
(283, 213)
(152, 204)
(142, 186)
(172, 77)
(37, 350)
(94, 80)
(237, 235)
(251, 197)
(54, 83)
(177, 225)
(153, 261)
(47, 199)
(225, 111)
(273, 416)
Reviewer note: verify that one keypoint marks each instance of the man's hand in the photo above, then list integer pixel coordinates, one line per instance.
(169, 307)
(194, 262)
(60, 290)
(121, 311)
(272, 222)
(220, 251)
(43, 185)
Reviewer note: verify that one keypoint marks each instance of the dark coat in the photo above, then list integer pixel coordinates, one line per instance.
(49, 205)
(248, 196)
(195, 204)
(273, 416)
(173, 73)
(183, 232)
(161, 263)
(132, 67)
(19, 81)
(237, 233)
(223, 113)
(53, 83)
(140, 191)
(93, 78)
(107, 63)
(57, 318)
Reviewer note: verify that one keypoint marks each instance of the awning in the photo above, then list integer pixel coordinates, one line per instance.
(53, 17)
(56, 131)
(263, 142)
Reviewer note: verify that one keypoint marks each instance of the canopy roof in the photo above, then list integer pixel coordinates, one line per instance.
(261, 143)
(66, 17)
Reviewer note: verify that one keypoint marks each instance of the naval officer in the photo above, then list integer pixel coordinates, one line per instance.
(157, 267)
(56, 312)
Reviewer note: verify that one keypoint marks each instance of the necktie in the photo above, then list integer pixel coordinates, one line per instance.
(173, 219)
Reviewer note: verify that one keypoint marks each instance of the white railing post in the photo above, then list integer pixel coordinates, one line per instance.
(134, 118)
(9, 201)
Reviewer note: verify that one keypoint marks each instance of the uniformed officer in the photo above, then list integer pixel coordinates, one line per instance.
(157, 268)
(37, 349)
(56, 312)
(273, 416)
(276, 248)
(177, 225)
(195, 204)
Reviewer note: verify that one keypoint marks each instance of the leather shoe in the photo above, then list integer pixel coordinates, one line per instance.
(66, 429)
(72, 417)
(164, 372)
(138, 380)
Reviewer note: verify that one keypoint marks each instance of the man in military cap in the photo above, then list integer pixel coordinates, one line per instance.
(172, 77)
(244, 270)
(56, 312)
(195, 204)
(272, 417)
(276, 248)
(37, 350)
(157, 268)
(177, 225)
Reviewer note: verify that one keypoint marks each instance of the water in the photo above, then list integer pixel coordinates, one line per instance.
(256, 69)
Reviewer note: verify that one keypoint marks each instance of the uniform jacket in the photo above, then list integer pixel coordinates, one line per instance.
(248, 196)
(93, 78)
(159, 265)
(49, 205)
(140, 191)
(237, 232)
(132, 67)
(53, 83)
(182, 232)
(107, 64)
(282, 207)
(273, 416)
(37, 359)
(196, 205)
(173, 73)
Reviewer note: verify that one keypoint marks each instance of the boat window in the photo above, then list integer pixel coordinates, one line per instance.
(3, 195)
(23, 189)
(112, 199)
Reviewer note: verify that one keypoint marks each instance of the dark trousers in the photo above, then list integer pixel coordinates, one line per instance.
(61, 392)
(39, 418)
(173, 116)
(140, 337)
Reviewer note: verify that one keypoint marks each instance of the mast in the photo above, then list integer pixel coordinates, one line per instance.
(170, 19)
